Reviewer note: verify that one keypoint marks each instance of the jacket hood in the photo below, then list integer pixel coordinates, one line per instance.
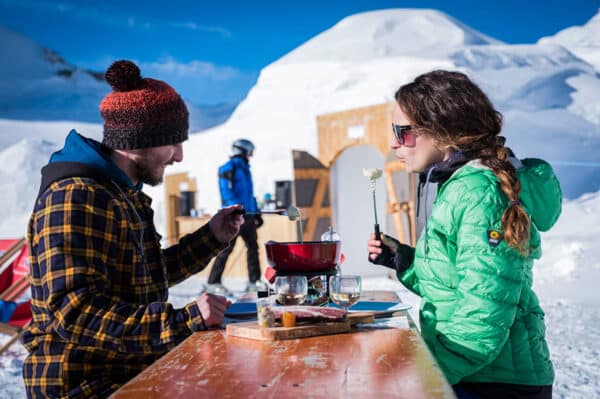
(82, 157)
(540, 192)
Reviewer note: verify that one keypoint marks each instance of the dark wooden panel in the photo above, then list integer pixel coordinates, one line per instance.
(303, 160)
(305, 192)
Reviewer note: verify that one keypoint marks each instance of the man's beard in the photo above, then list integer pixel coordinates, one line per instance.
(147, 170)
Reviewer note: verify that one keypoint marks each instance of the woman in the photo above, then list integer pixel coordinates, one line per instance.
(472, 264)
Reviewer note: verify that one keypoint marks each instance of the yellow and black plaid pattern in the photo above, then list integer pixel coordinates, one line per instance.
(99, 283)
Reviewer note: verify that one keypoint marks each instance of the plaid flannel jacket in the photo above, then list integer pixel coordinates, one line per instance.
(100, 286)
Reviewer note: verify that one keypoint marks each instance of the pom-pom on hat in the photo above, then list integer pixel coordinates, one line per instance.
(141, 112)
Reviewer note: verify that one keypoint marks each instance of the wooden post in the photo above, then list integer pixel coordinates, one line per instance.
(392, 205)
(172, 192)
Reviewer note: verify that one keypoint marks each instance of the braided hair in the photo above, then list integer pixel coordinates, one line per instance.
(456, 113)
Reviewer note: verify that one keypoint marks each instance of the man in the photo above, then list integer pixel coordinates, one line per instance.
(99, 277)
(235, 185)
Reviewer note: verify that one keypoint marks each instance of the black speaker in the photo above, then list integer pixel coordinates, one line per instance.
(283, 194)
(186, 203)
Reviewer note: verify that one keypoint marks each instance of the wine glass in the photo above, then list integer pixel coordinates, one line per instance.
(345, 291)
(291, 290)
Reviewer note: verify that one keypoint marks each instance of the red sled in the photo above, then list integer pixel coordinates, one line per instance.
(14, 283)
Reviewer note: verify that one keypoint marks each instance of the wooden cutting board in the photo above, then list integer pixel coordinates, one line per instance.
(251, 329)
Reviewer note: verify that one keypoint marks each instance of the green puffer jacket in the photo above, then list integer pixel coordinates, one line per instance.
(479, 315)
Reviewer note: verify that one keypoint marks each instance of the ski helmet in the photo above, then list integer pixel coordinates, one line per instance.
(242, 147)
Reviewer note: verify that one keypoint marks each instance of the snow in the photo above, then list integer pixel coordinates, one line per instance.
(583, 41)
(21, 163)
(386, 34)
(571, 263)
(14, 131)
(547, 92)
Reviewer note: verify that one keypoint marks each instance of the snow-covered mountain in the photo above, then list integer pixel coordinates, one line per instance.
(385, 34)
(546, 94)
(583, 41)
(37, 84)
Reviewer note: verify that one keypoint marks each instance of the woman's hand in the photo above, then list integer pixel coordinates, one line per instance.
(390, 252)
(377, 247)
(374, 248)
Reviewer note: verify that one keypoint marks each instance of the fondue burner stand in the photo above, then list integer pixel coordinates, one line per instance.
(318, 285)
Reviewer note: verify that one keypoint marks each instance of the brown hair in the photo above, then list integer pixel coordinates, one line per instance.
(455, 112)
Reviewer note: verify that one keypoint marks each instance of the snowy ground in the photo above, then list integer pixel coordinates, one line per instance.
(573, 344)
(573, 341)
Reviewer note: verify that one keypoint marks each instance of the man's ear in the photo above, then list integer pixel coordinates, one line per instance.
(129, 154)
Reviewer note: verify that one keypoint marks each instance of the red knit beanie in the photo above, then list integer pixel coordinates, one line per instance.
(141, 112)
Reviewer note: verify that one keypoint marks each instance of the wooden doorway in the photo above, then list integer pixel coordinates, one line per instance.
(371, 126)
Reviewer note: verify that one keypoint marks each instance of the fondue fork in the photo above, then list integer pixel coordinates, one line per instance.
(244, 212)
(373, 175)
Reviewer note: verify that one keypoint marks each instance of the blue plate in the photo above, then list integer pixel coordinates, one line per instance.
(248, 309)
(241, 309)
(370, 306)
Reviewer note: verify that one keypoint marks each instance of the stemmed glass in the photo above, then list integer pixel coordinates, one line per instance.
(345, 291)
(291, 290)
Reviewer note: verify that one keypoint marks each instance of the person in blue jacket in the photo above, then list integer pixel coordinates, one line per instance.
(235, 185)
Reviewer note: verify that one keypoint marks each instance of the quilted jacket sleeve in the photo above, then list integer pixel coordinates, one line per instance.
(409, 279)
(487, 293)
(76, 230)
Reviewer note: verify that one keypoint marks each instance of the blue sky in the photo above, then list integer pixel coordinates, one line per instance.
(213, 51)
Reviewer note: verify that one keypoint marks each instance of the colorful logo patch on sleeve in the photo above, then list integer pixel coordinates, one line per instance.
(494, 237)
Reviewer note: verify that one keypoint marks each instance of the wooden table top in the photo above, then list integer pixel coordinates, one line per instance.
(375, 361)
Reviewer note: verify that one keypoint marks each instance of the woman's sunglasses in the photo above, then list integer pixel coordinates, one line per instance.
(403, 135)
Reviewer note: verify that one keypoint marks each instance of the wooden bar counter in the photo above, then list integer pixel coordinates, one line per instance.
(375, 361)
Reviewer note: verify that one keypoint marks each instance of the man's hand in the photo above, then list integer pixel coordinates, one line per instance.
(212, 308)
(225, 225)
(258, 220)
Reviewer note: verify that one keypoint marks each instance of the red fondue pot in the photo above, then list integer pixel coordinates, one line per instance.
(303, 257)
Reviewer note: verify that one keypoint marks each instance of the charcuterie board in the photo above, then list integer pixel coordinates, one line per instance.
(251, 329)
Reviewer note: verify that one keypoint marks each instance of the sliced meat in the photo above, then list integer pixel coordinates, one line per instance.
(310, 312)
